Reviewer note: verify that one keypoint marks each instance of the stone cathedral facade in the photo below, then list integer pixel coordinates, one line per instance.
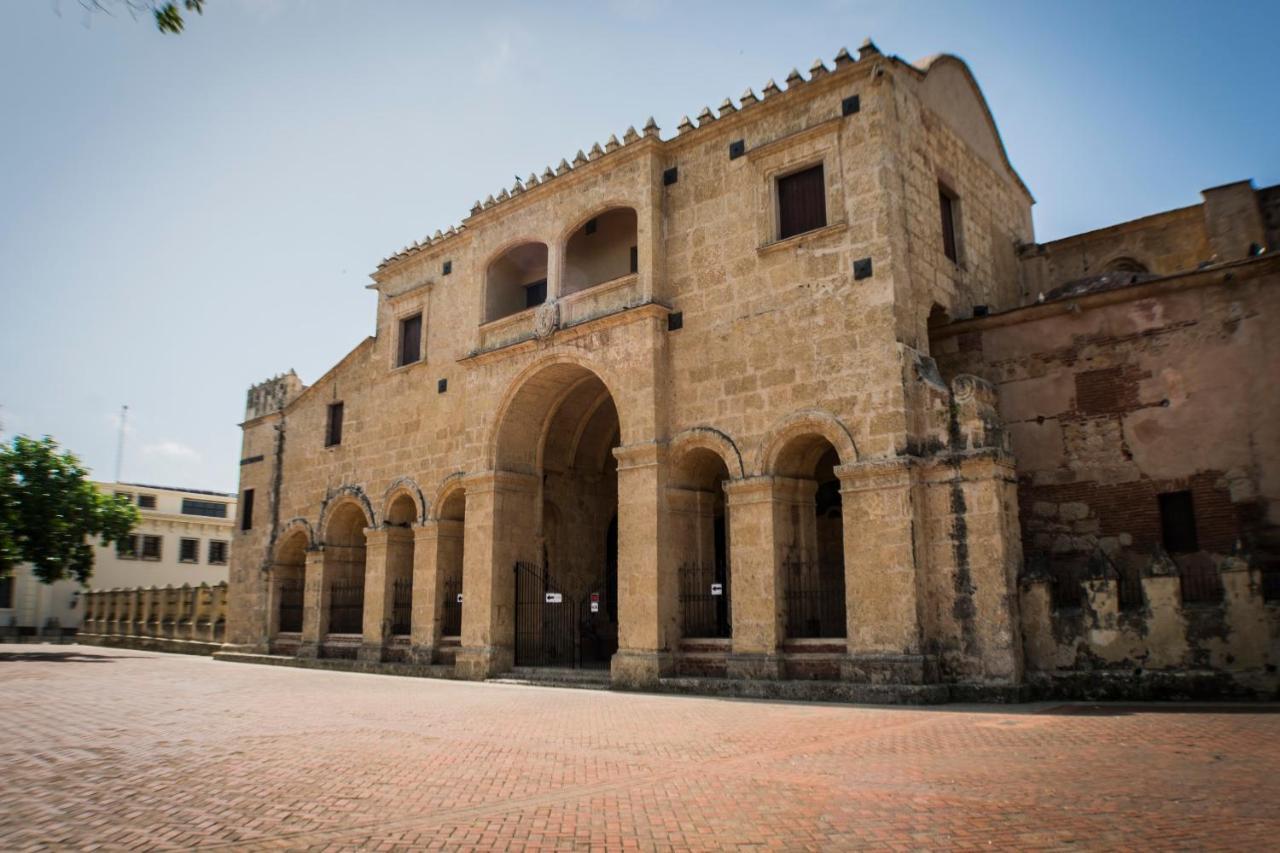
(789, 403)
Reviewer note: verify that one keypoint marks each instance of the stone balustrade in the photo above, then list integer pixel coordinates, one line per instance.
(186, 618)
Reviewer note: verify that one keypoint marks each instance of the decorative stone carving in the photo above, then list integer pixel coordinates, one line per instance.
(546, 319)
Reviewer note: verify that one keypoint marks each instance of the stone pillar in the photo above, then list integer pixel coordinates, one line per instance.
(424, 634)
(199, 611)
(501, 529)
(315, 605)
(377, 594)
(131, 612)
(1233, 220)
(759, 510)
(218, 611)
(881, 595)
(648, 594)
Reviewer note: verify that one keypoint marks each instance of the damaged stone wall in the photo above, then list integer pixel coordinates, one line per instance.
(1112, 400)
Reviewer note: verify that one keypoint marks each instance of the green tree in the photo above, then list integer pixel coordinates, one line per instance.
(49, 510)
(168, 15)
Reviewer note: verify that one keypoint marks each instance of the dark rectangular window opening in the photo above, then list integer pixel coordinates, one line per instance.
(1178, 523)
(246, 510)
(446, 268)
(217, 552)
(802, 202)
(947, 203)
(147, 501)
(151, 546)
(635, 259)
(535, 293)
(189, 551)
(670, 176)
(442, 385)
(410, 339)
(6, 593)
(127, 548)
(675, 321)
(333, 433)
(209, 509)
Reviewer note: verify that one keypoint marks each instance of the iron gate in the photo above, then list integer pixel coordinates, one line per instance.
(704, 600)
(546, 620)
(291, 606)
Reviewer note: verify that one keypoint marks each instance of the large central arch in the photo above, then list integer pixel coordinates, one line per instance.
(552, 448)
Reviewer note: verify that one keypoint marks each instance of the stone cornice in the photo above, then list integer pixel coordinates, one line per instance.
(621, 317)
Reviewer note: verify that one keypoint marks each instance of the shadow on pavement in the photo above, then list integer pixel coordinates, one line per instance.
(57, 657)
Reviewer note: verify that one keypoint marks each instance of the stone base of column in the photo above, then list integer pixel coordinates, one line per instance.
(478, 663)
(242, 648)
(421, 654)
(878, 668)
(309, 649)
(757, 665)
(370, 652)
(636, 670)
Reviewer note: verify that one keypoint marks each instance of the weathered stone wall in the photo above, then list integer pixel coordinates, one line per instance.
(1110, 400)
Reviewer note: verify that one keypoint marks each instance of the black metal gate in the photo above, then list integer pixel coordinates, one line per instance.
(546, 620)
(451, 625)
(815, 598)
(291, 606)
(704, 600)
(346, 607)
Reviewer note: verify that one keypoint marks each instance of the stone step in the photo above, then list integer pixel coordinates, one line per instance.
(586, 679)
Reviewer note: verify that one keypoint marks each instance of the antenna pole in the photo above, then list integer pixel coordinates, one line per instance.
(124, 413)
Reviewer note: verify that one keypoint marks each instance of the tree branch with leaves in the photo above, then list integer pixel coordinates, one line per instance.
(170, 17)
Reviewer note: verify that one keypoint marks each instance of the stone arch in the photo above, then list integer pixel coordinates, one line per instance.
(509, 272)
(706, 438)
(791, 430)
(292, 527)
(343, 496)
(532, 398)
(1126, 264)
(444, 502)
(405, 486)
(603, 246)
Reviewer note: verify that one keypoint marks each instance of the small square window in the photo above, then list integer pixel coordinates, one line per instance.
(147, 501)
(447, 268)
(535, 294)
(737, 148)
(670, 176)
(217, 552)
(189, 551)
(333, 431)
(442, 385)
(128, 496)
(127, 548)
(151, 547)
(410, 339)
(802, 202)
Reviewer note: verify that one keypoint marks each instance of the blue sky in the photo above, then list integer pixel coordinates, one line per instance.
(181, 217)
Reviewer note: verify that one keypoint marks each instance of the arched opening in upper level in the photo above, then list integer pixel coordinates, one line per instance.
(602, 249)
(516, 280)
(1126, 265)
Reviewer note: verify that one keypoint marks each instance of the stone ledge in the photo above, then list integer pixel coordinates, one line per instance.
(150, 644)
(810, 691)
(413, 670)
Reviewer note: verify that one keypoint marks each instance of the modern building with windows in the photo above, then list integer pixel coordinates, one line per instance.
(183, 537)
(790, 402)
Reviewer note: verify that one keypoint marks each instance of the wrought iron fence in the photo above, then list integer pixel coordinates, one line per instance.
(346, 607)
(291, 606)
(401, 606)
(1066, 583)
(815, 598)
(546, 620)
(704, 600)
(451, 617)
(1129, 588)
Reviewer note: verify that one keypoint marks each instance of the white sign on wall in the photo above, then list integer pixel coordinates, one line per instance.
(459, 598)
(717, 589)
(554, 598)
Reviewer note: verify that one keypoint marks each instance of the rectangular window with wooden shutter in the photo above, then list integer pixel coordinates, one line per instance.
(333, 435)
(802, 202)
(410, 339)
(947, 203)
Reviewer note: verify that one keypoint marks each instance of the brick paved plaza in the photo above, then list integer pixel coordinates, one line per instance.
(117, 749)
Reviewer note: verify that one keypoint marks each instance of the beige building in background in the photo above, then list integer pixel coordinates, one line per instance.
(739, 410)
(183, 537)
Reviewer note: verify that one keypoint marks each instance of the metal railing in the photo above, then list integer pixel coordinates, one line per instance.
(815, 599)
(704, 600)
(346, 607)
(451, 611)
(291, 606)
(401, 606)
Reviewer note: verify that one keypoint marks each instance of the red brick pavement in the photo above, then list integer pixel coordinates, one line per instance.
(110, 749)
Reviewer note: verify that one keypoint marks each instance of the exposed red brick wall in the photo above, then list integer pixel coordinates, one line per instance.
(1109, 390)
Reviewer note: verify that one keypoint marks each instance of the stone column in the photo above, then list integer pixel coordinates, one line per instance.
(424, 632)
(130, 608)
(755, 553)
(881, 594)
(199, 611)
(648, 595)
(501, 514)
(315, 605)
(377, 594)
(218, 612)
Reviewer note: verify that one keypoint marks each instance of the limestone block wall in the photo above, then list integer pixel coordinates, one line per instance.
(1111, 401)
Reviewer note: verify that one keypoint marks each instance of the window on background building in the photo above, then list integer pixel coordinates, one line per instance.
(209, 509)
(410, 339)
(333, 430)
(1178, 523)
(126, 495)
(246, 510)
(217, 552)
(6, 593)
(802, 202)
(189, 551)
(151, 547)
(949, 204)
(127, 548)
(147, 501)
